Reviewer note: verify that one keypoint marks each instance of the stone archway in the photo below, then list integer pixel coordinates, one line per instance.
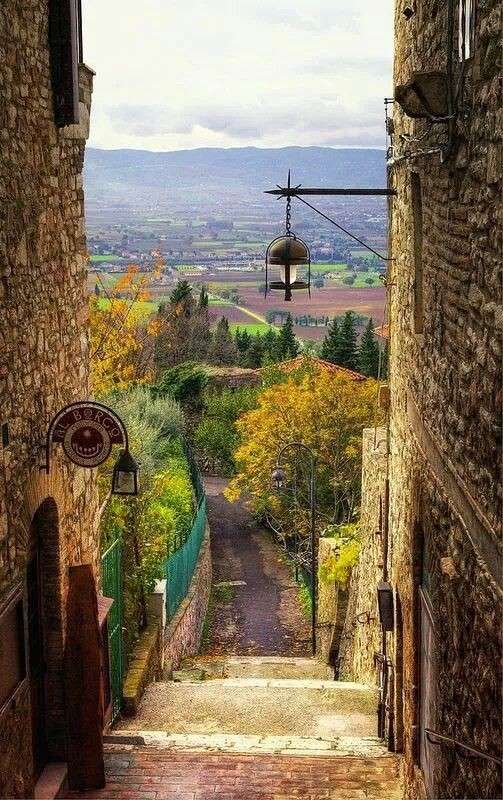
(45, 632)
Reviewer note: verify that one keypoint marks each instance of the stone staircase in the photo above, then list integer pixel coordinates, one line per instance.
(252, 728)
(257, 705)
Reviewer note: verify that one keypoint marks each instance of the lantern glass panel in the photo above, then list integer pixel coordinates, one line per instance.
(293, 273)
(125, 482)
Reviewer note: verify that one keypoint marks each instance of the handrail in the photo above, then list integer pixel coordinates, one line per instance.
(455, 743)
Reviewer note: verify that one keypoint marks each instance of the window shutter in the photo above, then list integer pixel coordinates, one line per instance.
(64, 50)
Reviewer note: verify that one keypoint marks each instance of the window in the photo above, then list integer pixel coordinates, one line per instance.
(12, 652)
(417, 215)
(465, 29)
(65, 42)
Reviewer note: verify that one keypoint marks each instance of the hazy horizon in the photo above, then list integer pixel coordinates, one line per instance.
(179, 76)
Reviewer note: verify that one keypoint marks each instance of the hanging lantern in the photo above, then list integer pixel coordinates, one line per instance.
(278, 478)
(288, 252)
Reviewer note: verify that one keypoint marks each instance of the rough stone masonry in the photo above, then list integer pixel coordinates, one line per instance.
(446, 321)
(43, 364)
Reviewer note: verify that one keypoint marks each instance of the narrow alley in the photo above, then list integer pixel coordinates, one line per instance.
(257, 609)
(252, 717)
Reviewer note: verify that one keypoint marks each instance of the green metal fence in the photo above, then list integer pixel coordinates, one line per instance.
(181, 564)
(111, 578)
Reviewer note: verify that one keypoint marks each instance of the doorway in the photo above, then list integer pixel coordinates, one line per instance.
(36, 654)
(427, 750)
(45, 637)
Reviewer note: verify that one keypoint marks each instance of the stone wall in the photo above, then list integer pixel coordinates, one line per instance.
(182, 635)
(445, 380)
(44, 353)
(361, 637)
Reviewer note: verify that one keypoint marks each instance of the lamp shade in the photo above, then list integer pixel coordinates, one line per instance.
(289, 251)
(125, 478)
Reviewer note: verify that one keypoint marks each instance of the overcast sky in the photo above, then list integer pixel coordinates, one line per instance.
(176, 74)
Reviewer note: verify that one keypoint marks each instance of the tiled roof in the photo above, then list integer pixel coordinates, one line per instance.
(294, 363)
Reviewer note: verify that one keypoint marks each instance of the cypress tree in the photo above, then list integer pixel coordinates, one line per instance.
(253, 357)
(330, 349)
(242, 339)
(348, 354)
(203, 297)
(287, 345)
(368, 352)
(269, 349)
(222, 350)
(181, 293)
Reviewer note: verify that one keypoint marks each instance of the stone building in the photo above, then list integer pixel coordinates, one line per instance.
(440, 527)
(47, 521)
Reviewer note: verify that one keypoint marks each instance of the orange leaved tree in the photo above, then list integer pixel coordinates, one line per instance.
(325, 411)
(121, 335)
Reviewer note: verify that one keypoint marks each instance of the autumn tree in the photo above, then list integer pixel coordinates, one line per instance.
(325, 411)
(121, 339)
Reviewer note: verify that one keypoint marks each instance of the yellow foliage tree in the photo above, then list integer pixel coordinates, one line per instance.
(121, 338)
(325, 411)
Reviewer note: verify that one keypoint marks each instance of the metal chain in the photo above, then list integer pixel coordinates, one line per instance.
(288, 215)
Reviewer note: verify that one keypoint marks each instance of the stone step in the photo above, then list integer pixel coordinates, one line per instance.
(341, 746)
(259, 667)
(258, 707)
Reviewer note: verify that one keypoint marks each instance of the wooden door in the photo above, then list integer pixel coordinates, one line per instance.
(427, 750)
(36, 656)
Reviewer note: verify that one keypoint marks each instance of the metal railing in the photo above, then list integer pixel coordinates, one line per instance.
(181, 564)
(437, 739)
(111, 579)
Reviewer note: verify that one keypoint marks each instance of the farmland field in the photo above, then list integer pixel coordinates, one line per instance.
(332, 300)
(104, 258)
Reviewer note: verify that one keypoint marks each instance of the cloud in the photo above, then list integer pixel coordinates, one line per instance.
(180, 75)
(326, 121)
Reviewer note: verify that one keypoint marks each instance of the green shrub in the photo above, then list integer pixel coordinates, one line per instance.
(339, 566)
(154, 426)
(216, 437)
(184, 383)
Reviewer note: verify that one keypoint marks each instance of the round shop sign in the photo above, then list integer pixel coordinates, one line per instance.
(87, 432)
(87, 443)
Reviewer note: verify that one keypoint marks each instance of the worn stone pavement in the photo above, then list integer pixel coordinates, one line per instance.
(257, 706)
(140, 773)
(263, 615)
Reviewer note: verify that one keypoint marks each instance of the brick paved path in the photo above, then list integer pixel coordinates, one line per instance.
(139, 773)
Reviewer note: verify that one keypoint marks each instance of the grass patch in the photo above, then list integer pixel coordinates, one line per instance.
(305, 599)
(140, 310)
(250, 327)
(338, 266)
(221, 594)
(110, 259)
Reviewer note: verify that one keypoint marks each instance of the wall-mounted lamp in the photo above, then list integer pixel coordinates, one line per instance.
(125, 477)
(385, 605)
(424, 96)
